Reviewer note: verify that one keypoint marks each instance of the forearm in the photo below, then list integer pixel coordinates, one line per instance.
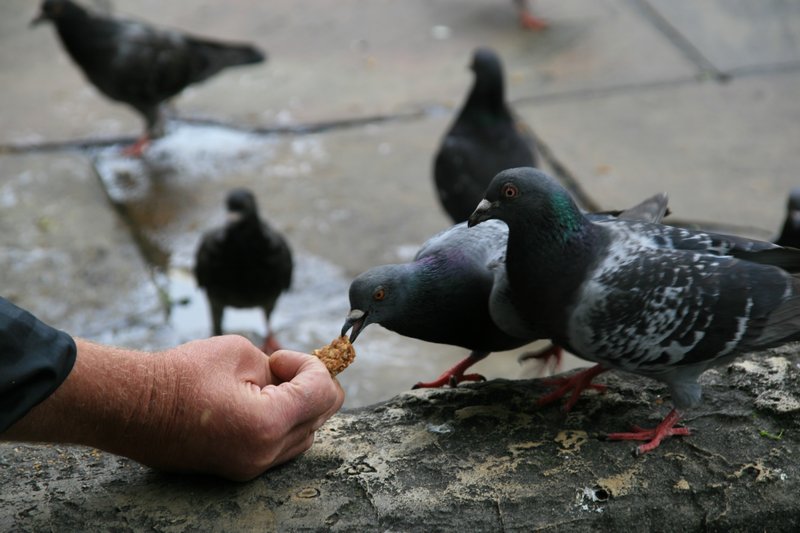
(105, 401)
(215, 405)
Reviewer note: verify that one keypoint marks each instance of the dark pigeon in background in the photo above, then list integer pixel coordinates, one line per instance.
(654, 300)
(485, 139)
(790, 232)
(137, 64)
(455, 292)
(244, 263)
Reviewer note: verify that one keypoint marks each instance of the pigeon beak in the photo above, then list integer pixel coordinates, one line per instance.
(356, 319)
(481, 213)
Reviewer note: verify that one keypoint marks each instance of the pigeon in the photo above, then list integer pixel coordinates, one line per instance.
(455, 292)
(137, 64)
(526, 18)
(654, 300)
(244, 263)
(484, 139)
(790, 233)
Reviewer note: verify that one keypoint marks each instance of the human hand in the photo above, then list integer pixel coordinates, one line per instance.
(218, 406)
(234, 411)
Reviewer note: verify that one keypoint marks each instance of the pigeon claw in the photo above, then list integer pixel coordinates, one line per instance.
(550, 357)
(270, 345)
(449, 379)
(653, 436)
(455, 375)
(137, 149)
(577, 383)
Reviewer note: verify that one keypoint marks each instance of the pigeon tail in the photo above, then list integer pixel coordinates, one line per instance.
(783, 324)
(212, 56)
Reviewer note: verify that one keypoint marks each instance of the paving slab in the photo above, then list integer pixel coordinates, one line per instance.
(334, 60)
(64, 253)
(725, 153)
(735, 35)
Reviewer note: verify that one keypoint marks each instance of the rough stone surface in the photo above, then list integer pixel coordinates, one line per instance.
(480, 457)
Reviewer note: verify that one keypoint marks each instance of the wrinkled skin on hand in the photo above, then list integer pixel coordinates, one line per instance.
(218, 406)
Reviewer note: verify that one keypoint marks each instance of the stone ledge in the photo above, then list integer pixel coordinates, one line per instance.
(479, 457)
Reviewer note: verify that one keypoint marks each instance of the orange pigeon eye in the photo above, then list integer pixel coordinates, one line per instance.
(379, 294)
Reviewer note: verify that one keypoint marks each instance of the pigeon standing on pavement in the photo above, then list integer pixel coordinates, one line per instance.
(137, 64)
(485, 139)
(455, 292)
(244, 263)
(655, 300)
(790, 232)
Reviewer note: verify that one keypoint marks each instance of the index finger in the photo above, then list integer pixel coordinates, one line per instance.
(287, 364)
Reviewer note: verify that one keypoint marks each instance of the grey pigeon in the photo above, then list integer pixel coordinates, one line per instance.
(244, 263)
(137, 64)
(485, 138)
(790, 232)
(455, 292)
(654, 300)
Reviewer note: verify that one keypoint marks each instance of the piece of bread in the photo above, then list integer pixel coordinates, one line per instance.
(337, 355)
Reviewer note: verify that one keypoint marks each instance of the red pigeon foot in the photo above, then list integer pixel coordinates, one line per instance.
(655, 435)
(550, 357)
(532, 23)
(137, 148)
(270, 345)
(577, 383)
(455, 375)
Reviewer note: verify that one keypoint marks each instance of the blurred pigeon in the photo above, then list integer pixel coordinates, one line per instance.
(655, 300)
(244, 263)
(455, 292)
(790, 233)
(484, 139)
(137, 64)
(526, 17)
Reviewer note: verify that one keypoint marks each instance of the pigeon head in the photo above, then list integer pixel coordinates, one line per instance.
(54, 10)
(241, 204)
(793, 205)
(529, 196)
(488, 69)
(376, 297)
(486, 63)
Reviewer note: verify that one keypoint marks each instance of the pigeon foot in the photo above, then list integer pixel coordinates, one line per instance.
(455, 375)
(654, 436)
(577, 383)
(270, 345)
(549, 357)
(137, 149)
(530, 22)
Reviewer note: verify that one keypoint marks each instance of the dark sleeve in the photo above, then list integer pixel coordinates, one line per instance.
(34, 360)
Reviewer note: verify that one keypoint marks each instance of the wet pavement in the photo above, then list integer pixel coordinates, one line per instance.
(336, 134)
